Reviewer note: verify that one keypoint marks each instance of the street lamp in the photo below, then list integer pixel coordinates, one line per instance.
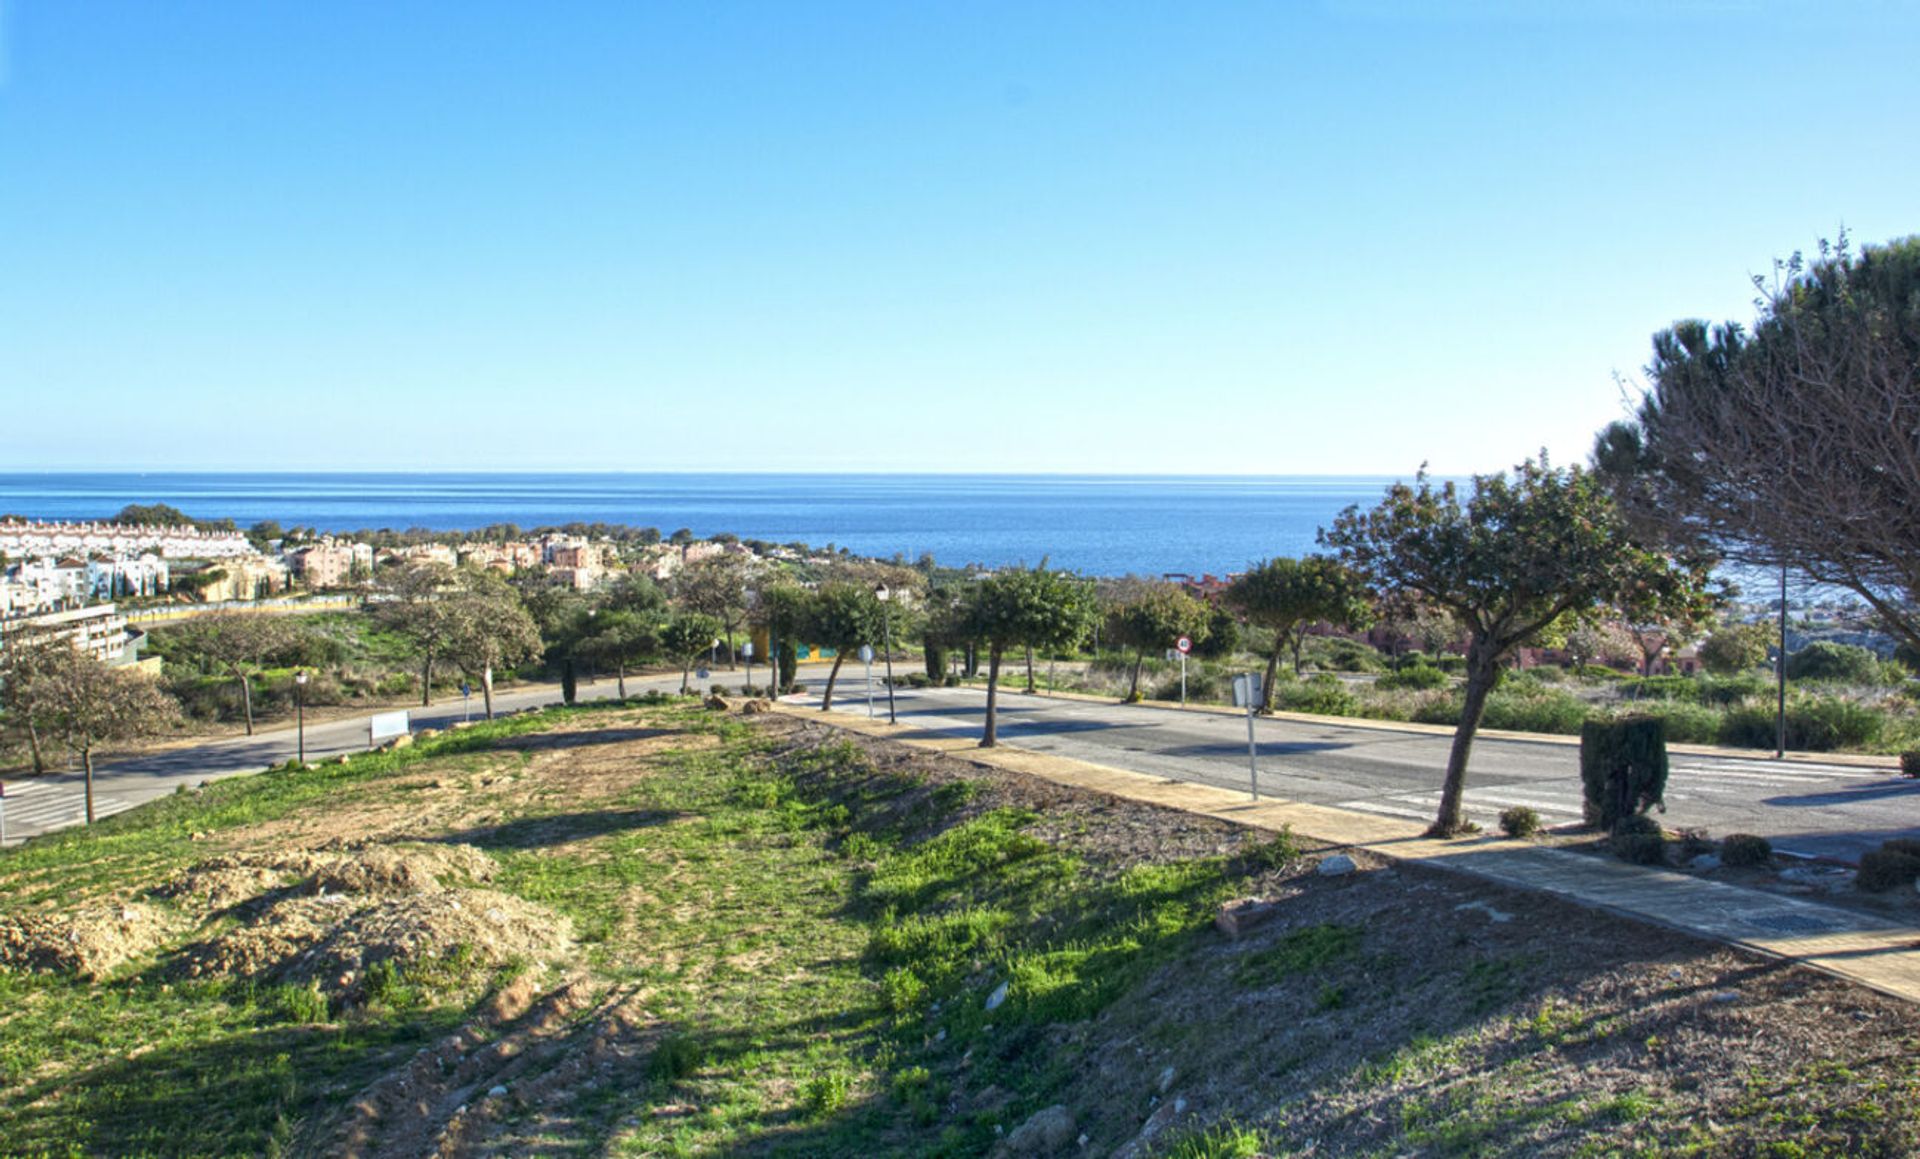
(885, 597)
(300, 712)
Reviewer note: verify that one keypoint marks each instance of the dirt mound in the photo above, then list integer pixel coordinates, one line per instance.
(88, 942)
(334, 938)
(402, 869)
(221, 883)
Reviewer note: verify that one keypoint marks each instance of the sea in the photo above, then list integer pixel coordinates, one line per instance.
(1103, 525)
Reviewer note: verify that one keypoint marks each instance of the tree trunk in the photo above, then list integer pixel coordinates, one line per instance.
(733, 658)
(686, 669)
(426, 682)
(486, 689)
(1139, 658)
(1029, 669)
(839, 657)
(1296, 640)
(1273, 670)
(1482, 670)
(33, 746)
(246, 700)
(991, 737)
(86, 762)
(623, 679)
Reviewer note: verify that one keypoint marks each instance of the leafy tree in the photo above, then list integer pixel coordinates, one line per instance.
(1149, 614)
(1521, 552)
(84, 704)
(1735, 648)
(1289, 596)
(419, 609)
(153, 515)
(238, 645)
(1792, 444)
(1827, 660)
(782, 607)
(488, 629)
(717, 586)
(1589, 641)
(685, 637)
(1034, 608)
(621, 639)
(842, 616)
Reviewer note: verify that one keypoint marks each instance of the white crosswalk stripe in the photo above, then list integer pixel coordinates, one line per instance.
(38, 805)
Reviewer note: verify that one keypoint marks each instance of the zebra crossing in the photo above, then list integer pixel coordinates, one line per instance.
(34, 807)
(1559, 803)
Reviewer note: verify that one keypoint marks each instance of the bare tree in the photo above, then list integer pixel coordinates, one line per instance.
(1797, 443)
(86, 704)
(418, 608)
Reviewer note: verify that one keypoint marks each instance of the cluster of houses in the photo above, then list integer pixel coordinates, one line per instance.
(69, 577)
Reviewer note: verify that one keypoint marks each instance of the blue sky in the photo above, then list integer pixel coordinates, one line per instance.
(1235, 238)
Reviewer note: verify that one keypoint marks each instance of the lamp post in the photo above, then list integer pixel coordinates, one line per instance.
(885, 597)
(300, 713)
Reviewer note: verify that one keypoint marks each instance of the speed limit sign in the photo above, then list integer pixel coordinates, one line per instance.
(1184, 644)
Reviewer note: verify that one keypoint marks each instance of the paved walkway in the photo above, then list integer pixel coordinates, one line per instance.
(1880, 954)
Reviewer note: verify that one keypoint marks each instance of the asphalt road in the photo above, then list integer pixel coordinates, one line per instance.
(1817, 809)
(1831, 810)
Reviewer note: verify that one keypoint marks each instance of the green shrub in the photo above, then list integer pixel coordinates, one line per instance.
(825, 1093)
(1910, 763)
(1534, 709)
(676, 1056)
(1840, 663)
(1438, 710)
(1323, 695)
(1414, 676)
(1885, 869)
(1341, 654)
(1640, 840)
(1686, 723)
(1623, 768)
(1814, 724)
(1519, 821)
(1740, 849)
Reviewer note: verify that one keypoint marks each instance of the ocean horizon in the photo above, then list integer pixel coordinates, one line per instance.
(1096, 524)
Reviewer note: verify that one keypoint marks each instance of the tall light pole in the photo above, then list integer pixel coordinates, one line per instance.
(300, 713)
(886, 638)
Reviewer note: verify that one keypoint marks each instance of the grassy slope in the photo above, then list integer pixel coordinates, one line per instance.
(815, 935)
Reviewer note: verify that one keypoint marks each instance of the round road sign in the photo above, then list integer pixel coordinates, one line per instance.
(1185, 645)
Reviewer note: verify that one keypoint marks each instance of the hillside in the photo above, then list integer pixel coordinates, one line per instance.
(654, 930)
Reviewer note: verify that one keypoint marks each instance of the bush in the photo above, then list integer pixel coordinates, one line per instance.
(1686, 723)
(1842, 663)
(1814, 724)
(1906, 845)
(1623, 768)
(1323, 695)
(1341, 654)
(1414, 676)
(1910, 763)
(1534, 709)
(1885, 869)
(1640, 840)
(1519, 821)
(1741, 849)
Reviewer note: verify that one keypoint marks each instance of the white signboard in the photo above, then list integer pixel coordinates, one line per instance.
(866, 654)
(387, 725)
(1246, 689)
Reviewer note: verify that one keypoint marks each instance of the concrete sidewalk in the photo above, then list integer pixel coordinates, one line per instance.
(1882, 955)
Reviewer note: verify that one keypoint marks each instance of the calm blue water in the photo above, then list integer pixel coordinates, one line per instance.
(1097, 524)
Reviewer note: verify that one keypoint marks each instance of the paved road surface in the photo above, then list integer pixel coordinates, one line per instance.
(1804, 807)
(1819, 809)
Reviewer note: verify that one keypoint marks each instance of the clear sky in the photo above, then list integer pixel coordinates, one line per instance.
(1276, 237)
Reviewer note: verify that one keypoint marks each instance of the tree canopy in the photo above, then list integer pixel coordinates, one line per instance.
(1019, 607)
(1289, 596)
(1794, 443)
(1521, 551)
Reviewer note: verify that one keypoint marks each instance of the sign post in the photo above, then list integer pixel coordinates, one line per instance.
(466, 701)
(1246, 693)
(866, 657)
(1183, 645)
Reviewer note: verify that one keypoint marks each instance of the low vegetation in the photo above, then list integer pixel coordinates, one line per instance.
(660, 931)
